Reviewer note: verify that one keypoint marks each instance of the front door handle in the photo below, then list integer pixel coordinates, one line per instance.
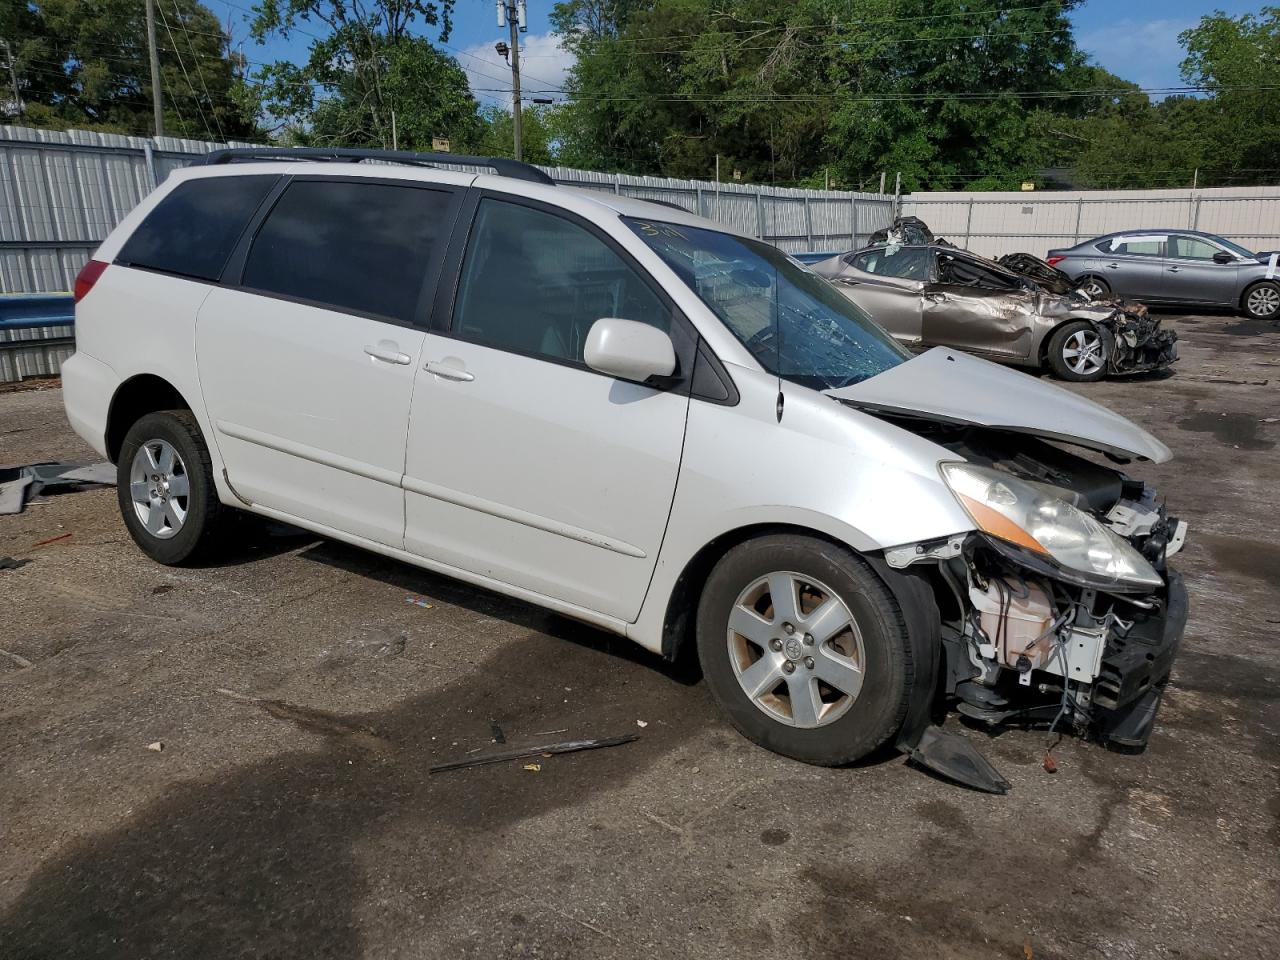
(447, 370)
(1113, 266)
(1174, 269)
(387, 350)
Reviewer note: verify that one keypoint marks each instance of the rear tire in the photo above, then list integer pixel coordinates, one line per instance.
(1077, 352)
(764, 678)
(1094, 287)
(1262, 301)
(165, 488)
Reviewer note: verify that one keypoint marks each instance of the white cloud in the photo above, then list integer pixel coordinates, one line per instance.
(543, 66)
(1143, 51)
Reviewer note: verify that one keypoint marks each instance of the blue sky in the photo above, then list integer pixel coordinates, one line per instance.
(1135, 39)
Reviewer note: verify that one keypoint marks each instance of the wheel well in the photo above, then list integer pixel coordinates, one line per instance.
(682, 606)
(1044, 341)
(135, 398)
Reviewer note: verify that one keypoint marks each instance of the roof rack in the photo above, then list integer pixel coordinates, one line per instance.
(500, 165)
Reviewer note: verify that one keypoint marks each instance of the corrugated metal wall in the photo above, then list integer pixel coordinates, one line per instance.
(62, 192)
(999, 223)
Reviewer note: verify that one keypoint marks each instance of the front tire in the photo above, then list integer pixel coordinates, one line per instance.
(1077, 352)
(805, 649)
(165, 488)
(1262, 301)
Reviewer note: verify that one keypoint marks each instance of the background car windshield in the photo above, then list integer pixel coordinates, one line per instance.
(794, 323)
(1236, 248)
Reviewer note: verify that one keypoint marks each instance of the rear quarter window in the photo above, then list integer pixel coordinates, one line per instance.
(192, 231)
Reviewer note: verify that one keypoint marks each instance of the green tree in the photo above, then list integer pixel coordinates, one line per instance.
(538, 134)
(84, 63)
(953, 93)
(365, 65)
(1237, 59)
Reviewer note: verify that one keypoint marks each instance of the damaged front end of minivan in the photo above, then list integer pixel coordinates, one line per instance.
(1059, 609)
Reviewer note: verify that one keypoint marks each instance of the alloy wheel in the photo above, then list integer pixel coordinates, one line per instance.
(1094, 290)
(160, 488)
(1082, 352)
(796, 649)
(1264, 301)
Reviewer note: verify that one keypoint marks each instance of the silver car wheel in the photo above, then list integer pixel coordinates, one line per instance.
(1093, 290)
(1082, 352)
(159, 488)
(796, 649)
(1263, 301)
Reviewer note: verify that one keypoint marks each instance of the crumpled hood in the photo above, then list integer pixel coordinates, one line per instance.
(953, 387)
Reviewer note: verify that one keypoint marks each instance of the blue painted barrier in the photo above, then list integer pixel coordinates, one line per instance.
(23, 310)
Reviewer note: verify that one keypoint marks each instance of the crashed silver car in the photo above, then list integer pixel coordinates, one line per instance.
(935, 294)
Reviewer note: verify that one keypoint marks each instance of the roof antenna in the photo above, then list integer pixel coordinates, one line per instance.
(777, 343)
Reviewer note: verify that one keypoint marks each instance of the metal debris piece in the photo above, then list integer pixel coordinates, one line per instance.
(550, 749)
(418, 602)
(157, 746)
(9, 563)
(533, 767)
(43, 543)
(104, 473)
(13, 495)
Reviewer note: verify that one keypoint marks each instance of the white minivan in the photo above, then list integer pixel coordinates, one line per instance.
(639, 419)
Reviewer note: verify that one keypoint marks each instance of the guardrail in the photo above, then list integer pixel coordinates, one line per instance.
(37, 333)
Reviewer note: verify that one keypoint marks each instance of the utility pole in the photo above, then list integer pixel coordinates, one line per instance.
(13, 79)
(156, 105)
(511, 13)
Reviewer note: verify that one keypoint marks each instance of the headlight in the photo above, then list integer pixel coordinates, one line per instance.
(1007, 508)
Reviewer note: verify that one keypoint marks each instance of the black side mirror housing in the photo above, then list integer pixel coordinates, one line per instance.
(1223, 257)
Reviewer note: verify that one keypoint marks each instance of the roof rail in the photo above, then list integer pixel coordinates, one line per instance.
(500, 165)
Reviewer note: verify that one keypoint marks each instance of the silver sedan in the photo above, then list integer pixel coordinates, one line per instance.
(1183, 267)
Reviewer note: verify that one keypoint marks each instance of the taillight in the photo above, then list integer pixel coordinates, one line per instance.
(1054, 261)
(87, 277)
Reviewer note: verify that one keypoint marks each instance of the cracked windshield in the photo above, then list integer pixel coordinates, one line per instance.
(795, 324)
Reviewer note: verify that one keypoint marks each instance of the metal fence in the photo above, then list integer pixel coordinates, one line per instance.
(997, 223)
(63, 192)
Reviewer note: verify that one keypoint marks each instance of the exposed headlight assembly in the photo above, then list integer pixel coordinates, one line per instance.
(1050, 529)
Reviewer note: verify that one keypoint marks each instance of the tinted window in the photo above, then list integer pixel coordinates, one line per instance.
(1191, 248)
(357, 247)
(909, 263)
(792, 321)
(1134, 246)
(534, 283)
(192, 230)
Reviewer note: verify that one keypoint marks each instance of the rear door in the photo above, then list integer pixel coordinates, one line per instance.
(888, 282)
(524, 465)
(307, 354)
(1191, 275)
(1133, 266)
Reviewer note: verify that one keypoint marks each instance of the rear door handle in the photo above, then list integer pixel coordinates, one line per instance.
(387, 350)
(448, 371)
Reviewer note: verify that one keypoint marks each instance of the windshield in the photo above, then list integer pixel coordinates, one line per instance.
(795, 324)
(1236, 248)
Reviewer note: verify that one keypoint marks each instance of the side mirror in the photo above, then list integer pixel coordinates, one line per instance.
(1223, 257)
(629, 350)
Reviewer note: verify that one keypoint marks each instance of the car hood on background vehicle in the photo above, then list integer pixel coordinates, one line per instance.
(953, 387)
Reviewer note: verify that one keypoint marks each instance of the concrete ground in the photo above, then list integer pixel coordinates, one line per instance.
(293, 815)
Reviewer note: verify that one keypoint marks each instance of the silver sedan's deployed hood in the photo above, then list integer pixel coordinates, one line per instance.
(953, 387)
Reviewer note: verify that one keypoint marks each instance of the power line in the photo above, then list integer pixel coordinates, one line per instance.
(200, 73)
(190, 86)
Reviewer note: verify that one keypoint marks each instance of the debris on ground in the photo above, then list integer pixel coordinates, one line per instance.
(19, 484)
(21, 661)
(419, 602)
(642, 723)
(157, 746)
(9, 563)
(533, 767)
(45, 543)
(498, 735)
(550, 749)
